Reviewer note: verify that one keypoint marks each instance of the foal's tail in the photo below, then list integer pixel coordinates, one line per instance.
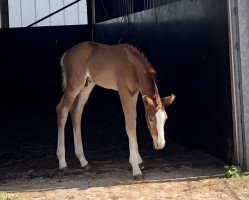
(63, 75)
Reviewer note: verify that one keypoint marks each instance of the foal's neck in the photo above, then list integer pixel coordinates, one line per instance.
(147, 83)
(145, 73)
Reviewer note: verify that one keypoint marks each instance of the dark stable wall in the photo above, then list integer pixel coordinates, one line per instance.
(30, 82)
(187, 43)
(29, 68)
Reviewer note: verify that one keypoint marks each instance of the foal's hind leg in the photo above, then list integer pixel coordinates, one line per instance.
(62, 112)
(76, 114)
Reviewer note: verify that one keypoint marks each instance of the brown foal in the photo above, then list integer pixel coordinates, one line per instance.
(118, 67)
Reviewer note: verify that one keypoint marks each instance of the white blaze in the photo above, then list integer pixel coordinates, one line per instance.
(160, 118)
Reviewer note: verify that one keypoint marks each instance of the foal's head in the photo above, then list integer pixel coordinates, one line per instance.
(156, 117)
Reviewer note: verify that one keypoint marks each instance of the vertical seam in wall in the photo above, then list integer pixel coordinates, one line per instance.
(49, 10)
(64, 18)
(21, 12)
(35, 11)
(78, 13)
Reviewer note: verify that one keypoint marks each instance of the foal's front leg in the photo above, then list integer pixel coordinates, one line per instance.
(129, 107)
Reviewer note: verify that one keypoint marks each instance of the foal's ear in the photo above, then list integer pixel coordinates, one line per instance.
(147, 100)
(166, 101)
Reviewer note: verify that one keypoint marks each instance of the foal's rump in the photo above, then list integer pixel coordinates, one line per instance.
(73, 66)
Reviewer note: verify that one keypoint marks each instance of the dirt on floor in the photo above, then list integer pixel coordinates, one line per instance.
(176, 173)
(115, 186)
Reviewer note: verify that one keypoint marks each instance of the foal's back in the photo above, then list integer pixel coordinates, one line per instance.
(105, 65)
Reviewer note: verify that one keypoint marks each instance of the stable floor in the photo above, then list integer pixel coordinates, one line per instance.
(29, 138)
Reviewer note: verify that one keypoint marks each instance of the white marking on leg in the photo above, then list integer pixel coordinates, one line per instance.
(160, 118)
(61, 117)
(140, 160)
(61, 157)
(61, 150)
(134, 159)
(80, 155)
(79, 149)
(76, 119)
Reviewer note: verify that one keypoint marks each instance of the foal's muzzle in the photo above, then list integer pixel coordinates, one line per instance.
(161, 146)
(158, 145)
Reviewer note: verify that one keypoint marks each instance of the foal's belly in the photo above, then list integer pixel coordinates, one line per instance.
(104, 77)
(107, 84)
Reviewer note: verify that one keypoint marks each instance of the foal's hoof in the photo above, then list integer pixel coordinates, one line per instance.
(64, 169)
(87, 167)
(141, 166)
(138, 177)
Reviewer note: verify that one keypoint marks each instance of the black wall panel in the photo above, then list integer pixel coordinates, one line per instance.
(29, 63)
(30, 84)
(187, 43)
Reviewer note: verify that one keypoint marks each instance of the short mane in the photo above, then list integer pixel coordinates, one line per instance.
(151, 70)
(139, 53)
